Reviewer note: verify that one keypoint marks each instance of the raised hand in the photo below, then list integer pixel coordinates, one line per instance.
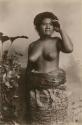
(56, 25)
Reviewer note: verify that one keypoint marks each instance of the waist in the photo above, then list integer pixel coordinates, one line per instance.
(46, 80)
(46, 69)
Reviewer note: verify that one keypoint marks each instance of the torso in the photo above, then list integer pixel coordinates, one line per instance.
(44, 55)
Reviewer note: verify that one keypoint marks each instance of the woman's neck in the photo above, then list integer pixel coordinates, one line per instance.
(45, 37)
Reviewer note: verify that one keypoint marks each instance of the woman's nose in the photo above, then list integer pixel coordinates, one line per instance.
(47, 26)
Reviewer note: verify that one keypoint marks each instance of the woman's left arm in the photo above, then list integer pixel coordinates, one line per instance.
(66, 42)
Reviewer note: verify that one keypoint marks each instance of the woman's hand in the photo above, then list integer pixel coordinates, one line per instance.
(56, 25)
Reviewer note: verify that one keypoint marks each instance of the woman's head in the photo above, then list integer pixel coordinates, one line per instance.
(42, 20)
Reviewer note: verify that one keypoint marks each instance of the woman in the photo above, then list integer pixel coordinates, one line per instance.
(47, 101)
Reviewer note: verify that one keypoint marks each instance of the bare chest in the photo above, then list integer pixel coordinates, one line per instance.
(50, 51)
(46, 50)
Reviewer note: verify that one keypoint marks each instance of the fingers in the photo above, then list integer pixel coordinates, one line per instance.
(54, 20)
(56, 25)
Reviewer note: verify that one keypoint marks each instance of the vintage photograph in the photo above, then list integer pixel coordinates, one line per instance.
(40, 62)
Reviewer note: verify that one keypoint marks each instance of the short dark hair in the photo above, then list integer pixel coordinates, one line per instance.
(39, 18)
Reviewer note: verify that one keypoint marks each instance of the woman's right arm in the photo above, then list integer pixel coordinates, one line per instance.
(28, 68)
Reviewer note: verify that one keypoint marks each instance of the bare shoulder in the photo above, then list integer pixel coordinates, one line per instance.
(58, 43)
(33, 46)
(34, 43)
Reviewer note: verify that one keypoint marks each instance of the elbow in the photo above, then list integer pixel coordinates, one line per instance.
(69, 50)
(32, 58)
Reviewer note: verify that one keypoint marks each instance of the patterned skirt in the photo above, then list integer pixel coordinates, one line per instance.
(47, 101)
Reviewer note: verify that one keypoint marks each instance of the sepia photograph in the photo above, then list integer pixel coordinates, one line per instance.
(40, 62)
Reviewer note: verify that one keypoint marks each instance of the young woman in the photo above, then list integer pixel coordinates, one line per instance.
(46, 99)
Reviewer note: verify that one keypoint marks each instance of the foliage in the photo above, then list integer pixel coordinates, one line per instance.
(10, 72)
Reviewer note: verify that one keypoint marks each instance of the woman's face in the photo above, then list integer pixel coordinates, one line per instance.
(46, 27)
